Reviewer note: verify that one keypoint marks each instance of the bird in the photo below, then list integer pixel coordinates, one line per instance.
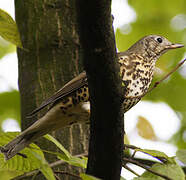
(137, 65)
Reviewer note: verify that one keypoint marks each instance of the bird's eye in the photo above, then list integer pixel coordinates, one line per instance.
(159, 40)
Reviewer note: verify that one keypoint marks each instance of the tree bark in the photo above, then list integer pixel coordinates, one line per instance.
(106, 130)
(51, 58)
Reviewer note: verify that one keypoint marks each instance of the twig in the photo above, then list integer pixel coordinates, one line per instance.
(134, 153)
(129, 146)
(129, 169)
(132, 147)
(57, 177)
(68, 173)
(141, 165)
(145, 162)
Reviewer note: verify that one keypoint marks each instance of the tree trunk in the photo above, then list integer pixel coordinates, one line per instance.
(50, 59)
(106, 94)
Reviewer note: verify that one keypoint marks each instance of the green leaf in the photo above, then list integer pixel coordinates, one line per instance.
(9, 106)
(67, 157)
(19, 165)
(58, 144)
(88, 177)
(7, 175)
(45, 168)
(181, 154)
(75, 161)
(173, 171)
(6, 47)
(157, 154)
(8, 29)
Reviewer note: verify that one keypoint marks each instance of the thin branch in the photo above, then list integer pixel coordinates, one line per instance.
(129, 146)
(145, 162)
(129, 169)
(143, 166)
(68, 173)
(57, 177)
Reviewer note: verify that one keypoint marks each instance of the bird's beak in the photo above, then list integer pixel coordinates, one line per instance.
(174, 46)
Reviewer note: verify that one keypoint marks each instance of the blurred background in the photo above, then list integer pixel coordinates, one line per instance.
(159, 120)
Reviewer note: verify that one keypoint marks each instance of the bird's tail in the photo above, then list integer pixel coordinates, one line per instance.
(35, 131)
(54, 119)
(17, 144)
(42, 126)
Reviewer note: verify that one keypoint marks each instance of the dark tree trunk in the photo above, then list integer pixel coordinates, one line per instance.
(106, 130)
(51, 58)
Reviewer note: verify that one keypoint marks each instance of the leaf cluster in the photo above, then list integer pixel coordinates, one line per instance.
(19, 166)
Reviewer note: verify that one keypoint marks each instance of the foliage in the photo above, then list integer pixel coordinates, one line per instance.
(9, 106)
(35, 160)
(157, 154)
(181, 155)
(170, 170)
(5, 48)
(168, 166)
(9, 29)
(66, 156)
(9, 103)
(19, 165)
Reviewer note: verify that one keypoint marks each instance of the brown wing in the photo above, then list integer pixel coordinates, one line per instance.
(68, 88)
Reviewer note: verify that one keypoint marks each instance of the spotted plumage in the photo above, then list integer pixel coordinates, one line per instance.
(136, 77)
(67, 105)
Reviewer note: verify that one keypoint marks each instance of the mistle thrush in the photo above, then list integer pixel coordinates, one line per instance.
(137, 66)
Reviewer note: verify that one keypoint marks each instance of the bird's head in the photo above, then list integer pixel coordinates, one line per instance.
(153, 46)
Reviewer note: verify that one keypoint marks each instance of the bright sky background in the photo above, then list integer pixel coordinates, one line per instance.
(158, 114)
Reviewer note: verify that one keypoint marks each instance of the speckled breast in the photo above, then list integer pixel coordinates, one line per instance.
(136, 76)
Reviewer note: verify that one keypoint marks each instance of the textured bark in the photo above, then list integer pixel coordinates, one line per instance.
(106, 130)
(51, 58)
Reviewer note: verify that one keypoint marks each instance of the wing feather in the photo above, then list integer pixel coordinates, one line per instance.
(76, 83)
(67, 89)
